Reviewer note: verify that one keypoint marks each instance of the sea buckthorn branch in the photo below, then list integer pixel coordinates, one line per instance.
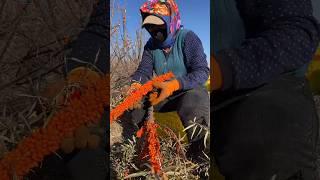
(88, 108)
(137, 96)
(151, 147)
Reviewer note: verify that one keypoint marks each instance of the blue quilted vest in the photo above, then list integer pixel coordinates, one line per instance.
(174, 61)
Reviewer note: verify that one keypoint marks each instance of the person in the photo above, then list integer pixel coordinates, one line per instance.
(171, 48)
(265, 124)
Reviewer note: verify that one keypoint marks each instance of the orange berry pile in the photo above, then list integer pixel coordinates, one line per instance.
(88, 108)
(137, 96)
(151, 148)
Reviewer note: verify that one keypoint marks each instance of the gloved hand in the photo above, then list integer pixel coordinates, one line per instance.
(133, 87)
(216, 80)
(167, 88)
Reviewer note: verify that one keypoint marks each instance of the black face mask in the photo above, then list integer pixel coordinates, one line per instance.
(159, 33)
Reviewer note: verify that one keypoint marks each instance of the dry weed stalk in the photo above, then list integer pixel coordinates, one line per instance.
(126, 52)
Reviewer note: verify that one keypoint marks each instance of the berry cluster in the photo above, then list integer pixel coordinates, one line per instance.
(151, 148)
(137, 95)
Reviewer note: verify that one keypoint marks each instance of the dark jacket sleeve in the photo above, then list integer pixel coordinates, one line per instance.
(92, 45)
(195, 61)
(281, 36)
(145, 68)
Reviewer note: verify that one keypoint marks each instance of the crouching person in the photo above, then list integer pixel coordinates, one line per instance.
(173, 49)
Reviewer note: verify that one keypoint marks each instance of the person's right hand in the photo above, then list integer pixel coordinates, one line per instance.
(133, 87)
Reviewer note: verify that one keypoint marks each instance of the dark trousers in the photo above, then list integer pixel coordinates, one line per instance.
(268, 133)
(189, 105)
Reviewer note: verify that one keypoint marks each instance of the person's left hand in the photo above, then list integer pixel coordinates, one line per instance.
(167, 88)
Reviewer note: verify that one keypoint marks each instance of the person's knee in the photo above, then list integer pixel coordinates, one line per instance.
(194, 108)
(192, 113)
(194, 100)
(196, 95)
(282, 112)
(243, 160)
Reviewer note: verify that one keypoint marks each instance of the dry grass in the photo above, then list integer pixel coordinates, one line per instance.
(126, 164)
(34, 38)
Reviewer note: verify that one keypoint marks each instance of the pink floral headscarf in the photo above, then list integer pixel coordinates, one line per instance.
(167, 10)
